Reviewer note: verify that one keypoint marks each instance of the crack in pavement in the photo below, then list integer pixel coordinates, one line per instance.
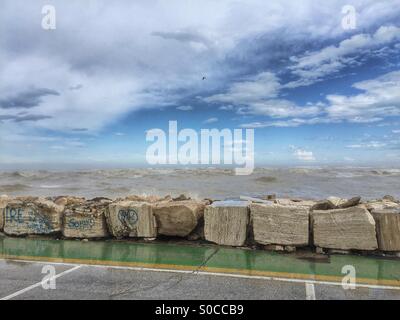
(179, 280)
(197, 269)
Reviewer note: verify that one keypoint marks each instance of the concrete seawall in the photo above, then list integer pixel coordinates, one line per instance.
(332, 225)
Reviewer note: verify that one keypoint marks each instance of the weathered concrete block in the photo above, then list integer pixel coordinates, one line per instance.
(131, 219)
(31, 216)
(296, 202)
(226, 222)
(381, 205)
(178, 218)
(388, 229)
(85, 220)
(282, 225)
(346, 229)
(3, 203)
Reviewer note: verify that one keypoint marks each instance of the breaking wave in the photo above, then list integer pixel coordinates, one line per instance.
(9, 188)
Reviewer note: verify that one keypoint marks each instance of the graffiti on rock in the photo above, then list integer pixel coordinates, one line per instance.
(31, 219)
(14, 215)
(82, 224)
(128, 217)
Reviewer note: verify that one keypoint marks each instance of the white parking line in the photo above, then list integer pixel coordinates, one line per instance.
(310, 291)
(15, 294)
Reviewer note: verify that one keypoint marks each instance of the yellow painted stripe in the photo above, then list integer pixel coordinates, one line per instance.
(270, 274)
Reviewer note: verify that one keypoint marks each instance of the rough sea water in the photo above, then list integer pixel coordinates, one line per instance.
(214, 183)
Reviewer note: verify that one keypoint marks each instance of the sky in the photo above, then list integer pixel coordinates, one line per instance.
(86, 93)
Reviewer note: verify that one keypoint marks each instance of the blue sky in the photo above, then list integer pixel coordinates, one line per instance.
(85, 94)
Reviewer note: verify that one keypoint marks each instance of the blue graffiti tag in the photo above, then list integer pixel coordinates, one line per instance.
(14, 215)
(39, 223)
(32, 220)
(128, 217)
(84, 224)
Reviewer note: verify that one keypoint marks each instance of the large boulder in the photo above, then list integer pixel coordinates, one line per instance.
(226, 222)
(388, 229)
(323, 205)
(85, 220)
(3, 203)
(390, 198)
(131, 219)
(68, 200)
(283, 225)
(345, 229)
(295, 202)
(339, 203)
(32, 216)
(145, 198)
(382, 204)
(178, 218)
(336, 203)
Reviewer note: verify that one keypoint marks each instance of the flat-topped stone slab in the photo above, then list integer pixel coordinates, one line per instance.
(32, 216)
(381, 205)
(3, 203)
(178, 218)
(387, 229)
(344, 229)
(131, 219)
(280, 224)
(226, 222)
(85, 220)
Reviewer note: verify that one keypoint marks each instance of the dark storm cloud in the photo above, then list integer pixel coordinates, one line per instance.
(27, 99)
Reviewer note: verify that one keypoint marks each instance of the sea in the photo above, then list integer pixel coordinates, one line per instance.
(213, 183)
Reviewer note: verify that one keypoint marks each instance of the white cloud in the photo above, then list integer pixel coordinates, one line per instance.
(258, 95)
(185, 108)
(295, 122)
(211, 120)
(226, 108)
(304, 155)
(381, 98)
(264, 85)
(97, 60)
(368, 145)
(313, 66)
(279, 108)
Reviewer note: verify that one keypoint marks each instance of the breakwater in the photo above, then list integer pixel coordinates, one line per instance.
(332, 225)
